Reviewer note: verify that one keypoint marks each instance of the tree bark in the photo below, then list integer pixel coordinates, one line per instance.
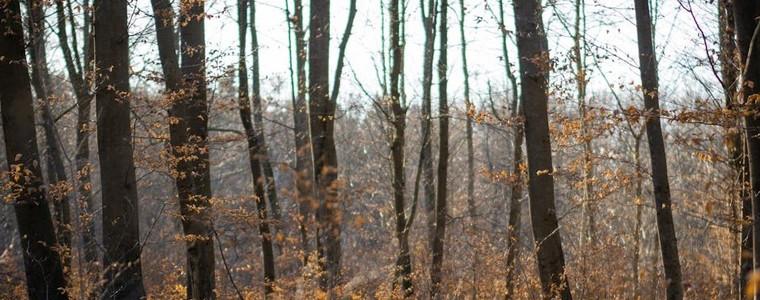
(121, 231)
(404, 261)
(649, 82)
(428, 180)
(532, 48)
(258, 122)
(745, 14)
(322, 117)
(255, 144)
(735, 140)
(304, 170)
(469, 107)
(40, 83)
(44, 270)
(186, 90)
(579, 53)
(436, 276)
(84, 99)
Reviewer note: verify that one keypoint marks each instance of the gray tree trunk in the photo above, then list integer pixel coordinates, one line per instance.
(649, 83)
(121, 231)
(44, 270)
(533, 51)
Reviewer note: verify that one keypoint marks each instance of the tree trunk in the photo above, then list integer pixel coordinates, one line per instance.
(304, 170)
(188, 134)
(121, 231)
(322, 117)
(665, 226)
(258, 122)
(745, 14)
(515, 207)
(40, 82)
(441, 211)
(532, 48)
(428, 179)
(44, 270)
(404, 261)
(579, 53)
(516, 187)
(254, 145)
(84, 128)
(735, 140)
(469, 107)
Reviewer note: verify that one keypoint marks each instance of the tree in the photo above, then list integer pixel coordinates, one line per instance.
(186, 91)
(44, 270)
(745, 16)
(258, 120)
(468, 132)
(257, 156)
(429, 20)
(650, 89)
(304, 166)
(121, 231)
(735, 142)
(398, 121)
(516, 188)
(54, 159)
(443, 158)
(532, 49)
(79, 76)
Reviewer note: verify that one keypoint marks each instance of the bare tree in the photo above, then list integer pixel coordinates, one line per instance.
(121, 231)
(649, 82)
(258, 121)
(79, 76)
(745, 14)
(429, 20)
(186, 89)
(322, 120)
(735, 142)
(441, 211)
(54, 155)
(304, 166)
(533, 51)
(255, 143)
(398, 140)
(44, 270)
(469, 109)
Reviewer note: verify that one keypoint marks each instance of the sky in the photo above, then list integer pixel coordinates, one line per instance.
(610, 27)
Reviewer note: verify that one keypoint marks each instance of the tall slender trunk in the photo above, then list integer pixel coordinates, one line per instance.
(533, 50)
(515, 207)
(187, 135)
(254, 145)
(735, 140)
(321, 115)
(195, 191)
(121, 231)
(79, 81)
(436, 276)
(579, 53)
(745, 14)
(516, 188)
(404, 261)
(54, 155)
(639, 211)
(469, 107)
(44, 270)
(305, 192)
(428, 179)
(258, 122)
(649, 82)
